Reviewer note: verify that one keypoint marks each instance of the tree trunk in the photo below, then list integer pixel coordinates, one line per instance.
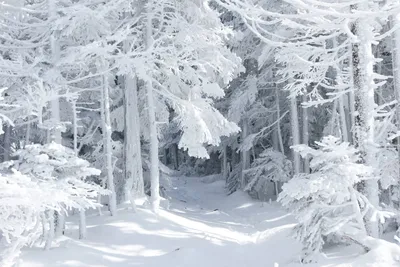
(278, 125)
(174, 151)
(224, 162)
(154, 164)
(364, 90)
(154, 143)
(395, 21)
(351, 99)
(295, 133)
(134, 186)
(305, 135)
(7, 143)
(245, 154)
(107, 147)
(28, 133)
(343, 120)
(56, 137)
(82, 213)
(55, 132)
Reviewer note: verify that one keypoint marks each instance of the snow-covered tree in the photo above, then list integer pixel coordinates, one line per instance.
(326, 201)
(271, 167)
(42, 180)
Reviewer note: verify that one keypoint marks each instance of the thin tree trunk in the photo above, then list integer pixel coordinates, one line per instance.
(82, 214)
(224, 162)
(28, 133)
(343, 121)
(305, 135)
(351, 99)
(278, 125)
(343, 105)
(7, 143)
(295, 133)
(175, 155)
(245, 154)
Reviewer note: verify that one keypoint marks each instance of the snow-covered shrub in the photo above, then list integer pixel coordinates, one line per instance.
(42, 180)
(326, 201)
(270, 166)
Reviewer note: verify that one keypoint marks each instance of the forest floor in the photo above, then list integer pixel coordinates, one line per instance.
(202, 228)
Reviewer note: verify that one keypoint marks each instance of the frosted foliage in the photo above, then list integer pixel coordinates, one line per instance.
(387, 160)
(42, 179)
(189, 39)
(202, 124)
(325, 201)
(243, 98)
(269, 166)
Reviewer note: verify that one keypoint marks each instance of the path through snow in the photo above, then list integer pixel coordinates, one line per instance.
(202, 228)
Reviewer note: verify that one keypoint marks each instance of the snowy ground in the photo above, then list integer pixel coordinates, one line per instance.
(202, 228)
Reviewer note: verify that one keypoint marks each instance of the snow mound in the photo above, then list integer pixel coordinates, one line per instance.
(382, 254)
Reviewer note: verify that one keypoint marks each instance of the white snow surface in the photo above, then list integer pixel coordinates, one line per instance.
(202, 228)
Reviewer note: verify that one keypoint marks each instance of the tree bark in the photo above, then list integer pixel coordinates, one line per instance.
(55, 132)
(154, 143)
(107, 147)
(82, 213)
(364, 91)
(295, 133)
(305, 135)
(245, 154)
(7, 143)
(134, 186)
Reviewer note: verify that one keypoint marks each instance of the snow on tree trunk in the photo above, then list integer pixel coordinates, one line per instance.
(28, 133)
(153, 138)
(55, 132)
(56, 137)
(364, 90)
(7, 143)
(343, 120)
(278, 125)
(224, 162)
(351, 98)
(295, 133)
(245, 154)
(134, 186)
(154, 164)
(107, 147)
(305, 135)
(55, 116)
(343, 105)
(82, 213)
(82, 224)
(395, 22)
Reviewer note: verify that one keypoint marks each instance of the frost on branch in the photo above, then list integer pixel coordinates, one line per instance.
(202, 124)
(326, 201)
(43, 179)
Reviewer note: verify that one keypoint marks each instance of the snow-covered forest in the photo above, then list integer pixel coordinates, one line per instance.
(199, 133)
